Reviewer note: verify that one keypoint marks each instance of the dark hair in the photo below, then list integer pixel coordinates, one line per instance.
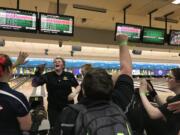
(169, 99)
(176, 73)
(63, 61)
(5, 63)
(97, 84)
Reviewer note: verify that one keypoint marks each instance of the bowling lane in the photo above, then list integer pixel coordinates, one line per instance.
(28, 91)
(159, 84)
(26, 88)
(18, 80)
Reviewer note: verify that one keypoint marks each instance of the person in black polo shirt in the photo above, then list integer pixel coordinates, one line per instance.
(172, 119)
(58, 84)
(14, 107)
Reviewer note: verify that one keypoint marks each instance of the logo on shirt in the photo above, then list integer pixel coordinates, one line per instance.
(65, 78)
(1, 108)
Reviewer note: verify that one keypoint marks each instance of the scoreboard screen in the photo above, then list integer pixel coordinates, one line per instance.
(18, 20)
(56, 24)
(133, 31)
(174, 37)
(153, 35)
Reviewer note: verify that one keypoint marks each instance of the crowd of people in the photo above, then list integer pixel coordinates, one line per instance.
(104, 104)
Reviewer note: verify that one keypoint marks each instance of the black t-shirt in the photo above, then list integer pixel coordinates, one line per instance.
(173, 120)
(58, 87)
(123, 91)
(124, 95)
(12, 105)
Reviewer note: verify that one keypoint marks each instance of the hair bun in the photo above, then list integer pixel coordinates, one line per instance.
(2, 60)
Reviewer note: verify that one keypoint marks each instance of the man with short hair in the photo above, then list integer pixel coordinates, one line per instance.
(58, 84)
(98, 110)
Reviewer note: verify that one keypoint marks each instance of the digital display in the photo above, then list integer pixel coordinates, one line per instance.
(153, 35)
(18, 20)
(174, 37)
(56, 24)
(133, 31)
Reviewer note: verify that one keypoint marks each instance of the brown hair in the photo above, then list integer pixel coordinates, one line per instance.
(98, 84)
(86, 68)
(5, 63)
(63, 61)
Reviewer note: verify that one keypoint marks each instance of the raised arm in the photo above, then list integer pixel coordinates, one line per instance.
(125, 58)
(39, 79)
(21, 59)
(153, 93)
(153, 112)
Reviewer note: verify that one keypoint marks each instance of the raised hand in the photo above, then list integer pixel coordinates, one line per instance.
(143, 86)
(21, 58)
(41, 68)
(151, 89)
(121, 37)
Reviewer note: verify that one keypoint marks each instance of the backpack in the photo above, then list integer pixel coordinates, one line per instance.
(103, 118)
(37, 115)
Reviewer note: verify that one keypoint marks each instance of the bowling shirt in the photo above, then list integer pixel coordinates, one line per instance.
(13, 104)
(58, 87)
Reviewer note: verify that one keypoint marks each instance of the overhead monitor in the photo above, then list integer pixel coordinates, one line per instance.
(18, 20)
(133, 31)
(153, 35)
(174, 38)
(56, 24)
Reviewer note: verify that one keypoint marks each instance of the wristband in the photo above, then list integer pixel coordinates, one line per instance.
(142, 93)
(123, 43)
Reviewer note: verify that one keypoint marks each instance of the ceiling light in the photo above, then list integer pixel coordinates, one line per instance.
(72, 53)
(89, 8)
(137, 52)
(2, 42)
(76, 48)
(60, 44)
(163, 19)
(176, 2)
(46, 51)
